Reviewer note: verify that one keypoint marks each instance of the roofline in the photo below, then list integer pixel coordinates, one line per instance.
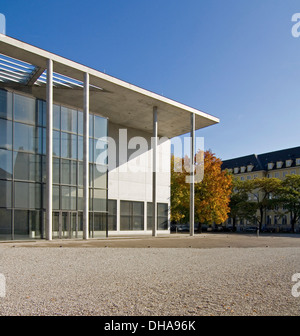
(98, 74)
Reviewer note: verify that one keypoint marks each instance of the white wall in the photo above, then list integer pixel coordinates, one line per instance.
(132, 181)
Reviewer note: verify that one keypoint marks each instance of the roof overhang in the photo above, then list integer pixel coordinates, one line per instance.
(121, 102)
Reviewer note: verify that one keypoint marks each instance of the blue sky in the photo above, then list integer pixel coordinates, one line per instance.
(234, 59)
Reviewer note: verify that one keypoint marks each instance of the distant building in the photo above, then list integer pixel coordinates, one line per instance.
(276, 164)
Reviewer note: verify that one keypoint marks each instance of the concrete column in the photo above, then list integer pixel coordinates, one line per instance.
(49, 150)
(192, 179)
(86, 103)
(154, 167)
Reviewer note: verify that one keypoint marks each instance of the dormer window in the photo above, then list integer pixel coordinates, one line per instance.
(288, 163)
(243, 169)
(250, 167)
(270, 165)
(236, 170)
(279, 164)
(297, 162)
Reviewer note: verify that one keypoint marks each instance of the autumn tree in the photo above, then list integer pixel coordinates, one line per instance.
(212, 194)
(179, 191)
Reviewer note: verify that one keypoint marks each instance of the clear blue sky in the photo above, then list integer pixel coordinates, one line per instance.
(234, 59)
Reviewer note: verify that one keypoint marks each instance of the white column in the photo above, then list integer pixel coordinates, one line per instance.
(49, 144)
(192, 178)
(154, 167)
(86, 108)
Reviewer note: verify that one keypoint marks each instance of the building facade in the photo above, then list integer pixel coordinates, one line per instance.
(277, 164)
(80, 150)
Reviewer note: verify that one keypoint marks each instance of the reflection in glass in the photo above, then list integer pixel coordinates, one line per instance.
(24, 109)
(100, 127)
(27, 166)
(5, 134)
(5, 104)
(24, 137)
(27, 195)
(56, 117)
(68, 120)
(80, 122)
(100, 178)
(5, 195)
(55, 197)
(56, 143)
(5, 164)
(56, 170)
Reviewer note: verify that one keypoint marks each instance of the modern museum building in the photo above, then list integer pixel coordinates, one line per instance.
(80, 150)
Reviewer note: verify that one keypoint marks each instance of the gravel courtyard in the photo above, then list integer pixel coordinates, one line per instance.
(149, 281)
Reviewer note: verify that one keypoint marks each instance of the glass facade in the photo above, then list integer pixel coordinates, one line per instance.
(23, 169)
(23, 175)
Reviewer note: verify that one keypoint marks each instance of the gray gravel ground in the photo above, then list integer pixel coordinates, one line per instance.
(146, 281)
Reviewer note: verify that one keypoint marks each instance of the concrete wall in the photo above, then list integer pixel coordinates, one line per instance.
(130, 170)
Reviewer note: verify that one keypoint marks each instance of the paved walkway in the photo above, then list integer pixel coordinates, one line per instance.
(207, 240)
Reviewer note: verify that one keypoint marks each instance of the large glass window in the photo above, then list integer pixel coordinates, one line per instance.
(100, 127)
(24, 109)
(27, 195)
(131, 215)
(25, 138)
(68, 120)
(27, 167)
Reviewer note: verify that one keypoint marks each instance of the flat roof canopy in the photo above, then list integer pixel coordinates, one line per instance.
(121, 102)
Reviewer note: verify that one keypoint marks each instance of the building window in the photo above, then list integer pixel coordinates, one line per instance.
(162, 216)
(270, 165)
(279, 164)
(276, 175)
(243, 169)
(250, 168)
(112, 215)
(297, 162)
(236, 170)
(288, 163)
(131, 215)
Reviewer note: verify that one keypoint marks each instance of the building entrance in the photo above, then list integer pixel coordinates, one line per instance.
(67, 224)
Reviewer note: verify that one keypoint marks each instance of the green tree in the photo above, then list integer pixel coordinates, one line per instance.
(239, 205)
(262, 192)
(288, 196)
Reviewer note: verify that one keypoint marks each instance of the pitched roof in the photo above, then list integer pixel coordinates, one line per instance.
(260, 162)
